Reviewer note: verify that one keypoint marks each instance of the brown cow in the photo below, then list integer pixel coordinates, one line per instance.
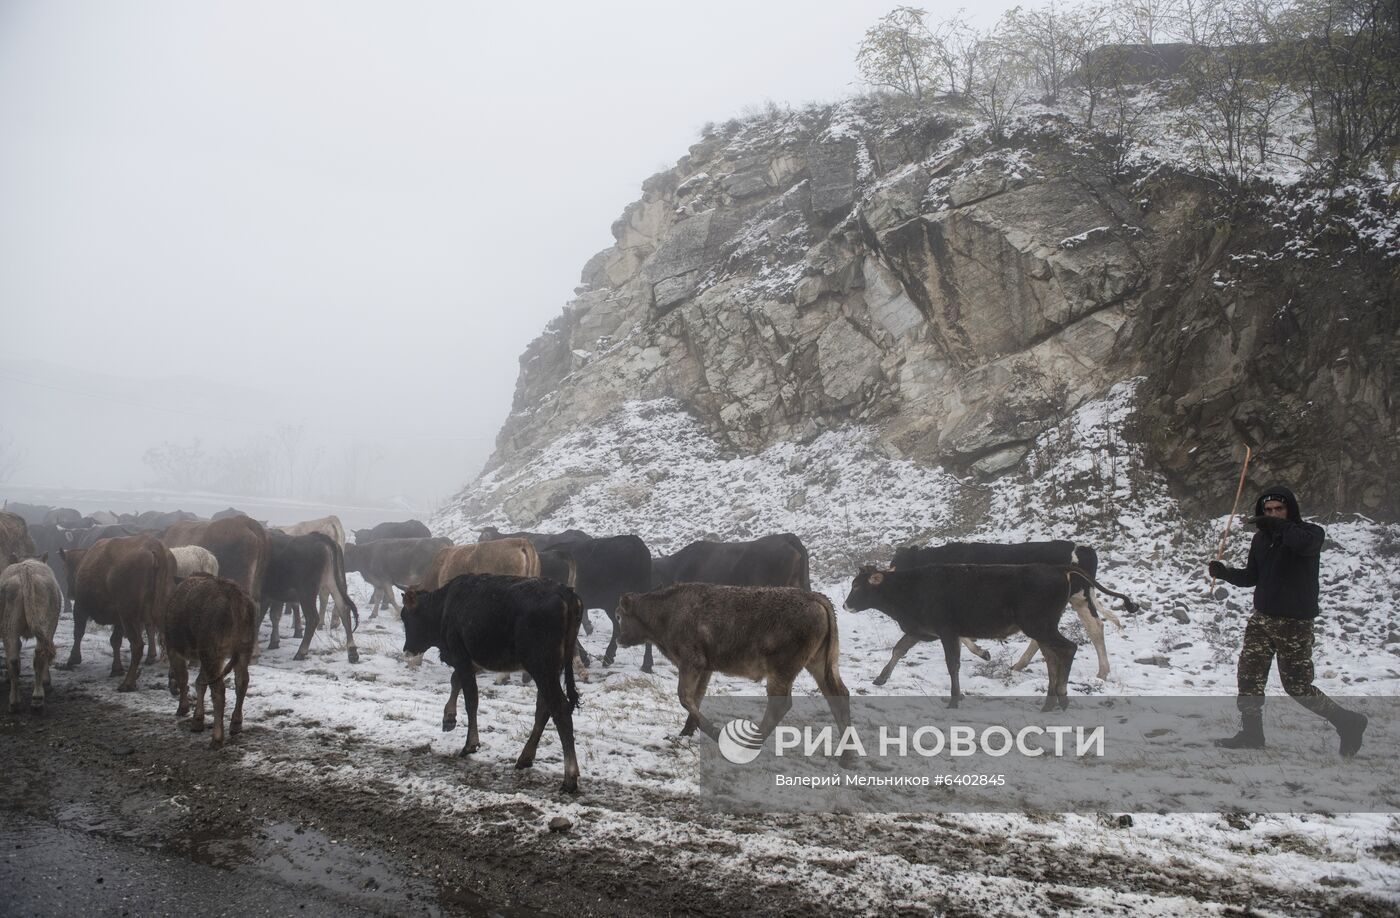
(14, 538)
(239, 543)
(768, 633)
(210, 618)
(514, 557)
(124, 583)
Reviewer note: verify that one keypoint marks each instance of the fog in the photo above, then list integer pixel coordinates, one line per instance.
(228, 226)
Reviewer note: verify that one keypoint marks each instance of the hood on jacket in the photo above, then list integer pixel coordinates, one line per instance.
(1288, 498)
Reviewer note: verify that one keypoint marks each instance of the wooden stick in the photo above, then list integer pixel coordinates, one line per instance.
(1220, 552)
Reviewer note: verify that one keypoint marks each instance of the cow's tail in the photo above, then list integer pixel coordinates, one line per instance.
(338, 566)
(573, 620)
(1074, 570)
(804, 569)
(40, 614)
(831, 652)
(162, 585)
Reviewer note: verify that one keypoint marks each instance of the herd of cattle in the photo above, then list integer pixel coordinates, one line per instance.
(199, 590)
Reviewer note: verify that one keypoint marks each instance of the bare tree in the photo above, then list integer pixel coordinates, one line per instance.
(1145, 22)
(1043, 40)
(897, 53)
(286, 446)
(998, 83)
(955, 44)
(1348, 66)
(1097, 62)
(180, 467)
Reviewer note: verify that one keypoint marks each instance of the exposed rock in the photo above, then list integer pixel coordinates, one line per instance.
(793, 275)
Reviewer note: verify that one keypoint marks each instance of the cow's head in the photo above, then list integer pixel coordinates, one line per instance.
(630, 631)
(418, 632)
(865, 589)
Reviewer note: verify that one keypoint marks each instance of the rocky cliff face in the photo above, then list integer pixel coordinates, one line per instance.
(959, 296)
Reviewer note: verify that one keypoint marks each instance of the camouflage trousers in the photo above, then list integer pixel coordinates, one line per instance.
(1291, 640)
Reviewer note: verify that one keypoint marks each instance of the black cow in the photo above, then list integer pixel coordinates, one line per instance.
(502, 624)
(299, 566)
(386, 562)
(606, 568)
(1059, 551)
(49, 540)
(66, 517)
(408, 529)
(32, 514)
(946, 602)
(225, 514)
(93, 534)
(774, 560)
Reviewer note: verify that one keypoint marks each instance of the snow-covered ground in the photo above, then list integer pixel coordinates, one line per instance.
(674, 485)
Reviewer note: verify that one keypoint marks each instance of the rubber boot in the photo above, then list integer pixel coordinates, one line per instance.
(1350, 725)
(1251, 735)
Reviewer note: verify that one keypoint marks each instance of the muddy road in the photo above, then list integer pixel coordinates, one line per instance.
(108, 809)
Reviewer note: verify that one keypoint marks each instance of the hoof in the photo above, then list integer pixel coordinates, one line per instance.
(881, 680)
(126, 688)
(215, 743)
(299, 657)
(448, 725)
(197, 726)
(296, 632)
(236, 727)
(182, 712)
(354, 655)
(468, 750)
(522, 764)
(608, 659)
(570, 786)
(1102, 675)
(14, 709)
(1018, 667)
(71, 664)
(36, 708)
(646, 669)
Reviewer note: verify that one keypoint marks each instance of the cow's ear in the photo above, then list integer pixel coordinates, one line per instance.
(877, 579)
(44, 558)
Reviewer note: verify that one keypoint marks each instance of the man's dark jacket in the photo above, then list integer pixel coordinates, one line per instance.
(1283, 562)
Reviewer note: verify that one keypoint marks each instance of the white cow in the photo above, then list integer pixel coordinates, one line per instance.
(29, 604)
(191, 559)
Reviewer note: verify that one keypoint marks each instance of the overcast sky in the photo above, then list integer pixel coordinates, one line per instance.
(370, 207)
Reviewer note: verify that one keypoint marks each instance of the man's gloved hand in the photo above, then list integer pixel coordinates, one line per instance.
(1269, 523)
(1217, 569)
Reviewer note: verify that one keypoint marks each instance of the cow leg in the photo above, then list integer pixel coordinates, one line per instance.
(582, 654)
(180, 683)
(467, 678)
(976, 649)
(901, 647)
(1031, 650)
(352, 653)
(952, 653)
(152, 644)
(646, 660)
(1094, 628)
(43, 658)
(313, 618)
(527, 755)
(838, 698)
(564, 723)
(1059, 655)
(12, 669)
(275, 611)
(240, 690)
(701, 687)
(116, 642)
(137, 638)
(449, 710)
(779, 703)
(75, 656)
(691, 688)
(587, 623)
(296, 620)
(216, 691)
(611, 653)
(200, 685)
